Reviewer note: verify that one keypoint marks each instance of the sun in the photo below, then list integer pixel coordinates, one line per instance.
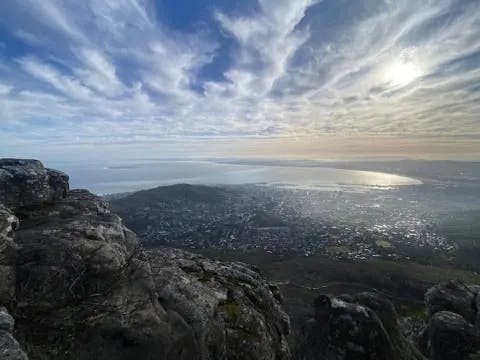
(402, 73)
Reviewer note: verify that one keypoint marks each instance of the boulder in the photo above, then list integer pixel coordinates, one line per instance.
(362, 326)
(231, 310)
(451, 336)
(454, 296)
(453, 329)
(26, 183)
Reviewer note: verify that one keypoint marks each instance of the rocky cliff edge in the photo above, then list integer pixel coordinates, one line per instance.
(80, 286)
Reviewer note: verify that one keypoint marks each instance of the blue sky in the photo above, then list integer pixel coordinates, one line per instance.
(138, 74)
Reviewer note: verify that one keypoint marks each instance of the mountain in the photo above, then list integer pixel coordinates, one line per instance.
(77, 284)
(178, 193)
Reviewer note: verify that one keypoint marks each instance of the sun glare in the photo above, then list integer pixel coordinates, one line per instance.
(402, 73)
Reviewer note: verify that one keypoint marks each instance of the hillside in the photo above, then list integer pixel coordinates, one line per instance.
(177, 193)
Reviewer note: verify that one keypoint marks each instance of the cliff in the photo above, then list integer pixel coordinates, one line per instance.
(80, 286)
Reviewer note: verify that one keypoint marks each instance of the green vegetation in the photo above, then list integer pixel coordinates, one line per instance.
(474, 356)
(463, 228)
(383, 243)
(172, 193)
(334, 250)
(232, 310)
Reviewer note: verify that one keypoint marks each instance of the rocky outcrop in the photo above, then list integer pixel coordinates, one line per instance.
(81, 287)
(454, 328)
(226, 306)
(453, 296)
(362, 326)
(26, 183)
(451, 336)
(9, 347)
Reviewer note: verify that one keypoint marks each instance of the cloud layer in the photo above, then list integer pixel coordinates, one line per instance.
(115, 71)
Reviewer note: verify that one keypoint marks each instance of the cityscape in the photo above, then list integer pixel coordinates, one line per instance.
(356, 225)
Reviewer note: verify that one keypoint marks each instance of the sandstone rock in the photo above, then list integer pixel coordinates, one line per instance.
(362, 326)
(6, 320)
(8, 223)
(81, 276)
(453, 331)
(9, 347)
(28, 183)
(451, 337)
(453, 296)
(232, 311)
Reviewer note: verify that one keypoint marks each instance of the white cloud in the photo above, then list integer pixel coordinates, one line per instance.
(51, 14)
(267, 41)
(99, 73)
(68, 85)
(112, 65)
(5, 89)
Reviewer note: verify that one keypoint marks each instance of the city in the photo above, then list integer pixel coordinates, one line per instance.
(355, 225)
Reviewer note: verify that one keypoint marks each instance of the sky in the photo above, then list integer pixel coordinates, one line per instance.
(247, 78)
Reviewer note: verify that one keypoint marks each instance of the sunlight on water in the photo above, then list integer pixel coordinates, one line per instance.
(125, 177)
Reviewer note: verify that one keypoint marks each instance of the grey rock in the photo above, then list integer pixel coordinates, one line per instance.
(83, 278)
(362, 326)
(453, 329)
(9, 346)
(413, 329)
(27, 183)
(8, 223)
(58, 183)
(7, 322)
(453, 296)
(451, 336)
(231, 310)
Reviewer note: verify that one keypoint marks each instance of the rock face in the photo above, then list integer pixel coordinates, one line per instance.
(26, 183)
(8, 223)
(362, 326)
(227, 305)
(9, 347)
(81, 287)
(451, 336)
(454, 329)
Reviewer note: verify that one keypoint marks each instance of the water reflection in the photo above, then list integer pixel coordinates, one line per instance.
(112, 178)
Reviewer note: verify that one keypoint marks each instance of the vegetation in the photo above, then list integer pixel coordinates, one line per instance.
(463, 228)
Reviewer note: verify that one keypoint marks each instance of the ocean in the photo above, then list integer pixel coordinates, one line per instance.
(127, 176)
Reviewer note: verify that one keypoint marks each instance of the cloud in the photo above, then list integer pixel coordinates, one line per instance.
(67, 85)
(99, 73)
(4, 89)
(281, 68)
(266, 42)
